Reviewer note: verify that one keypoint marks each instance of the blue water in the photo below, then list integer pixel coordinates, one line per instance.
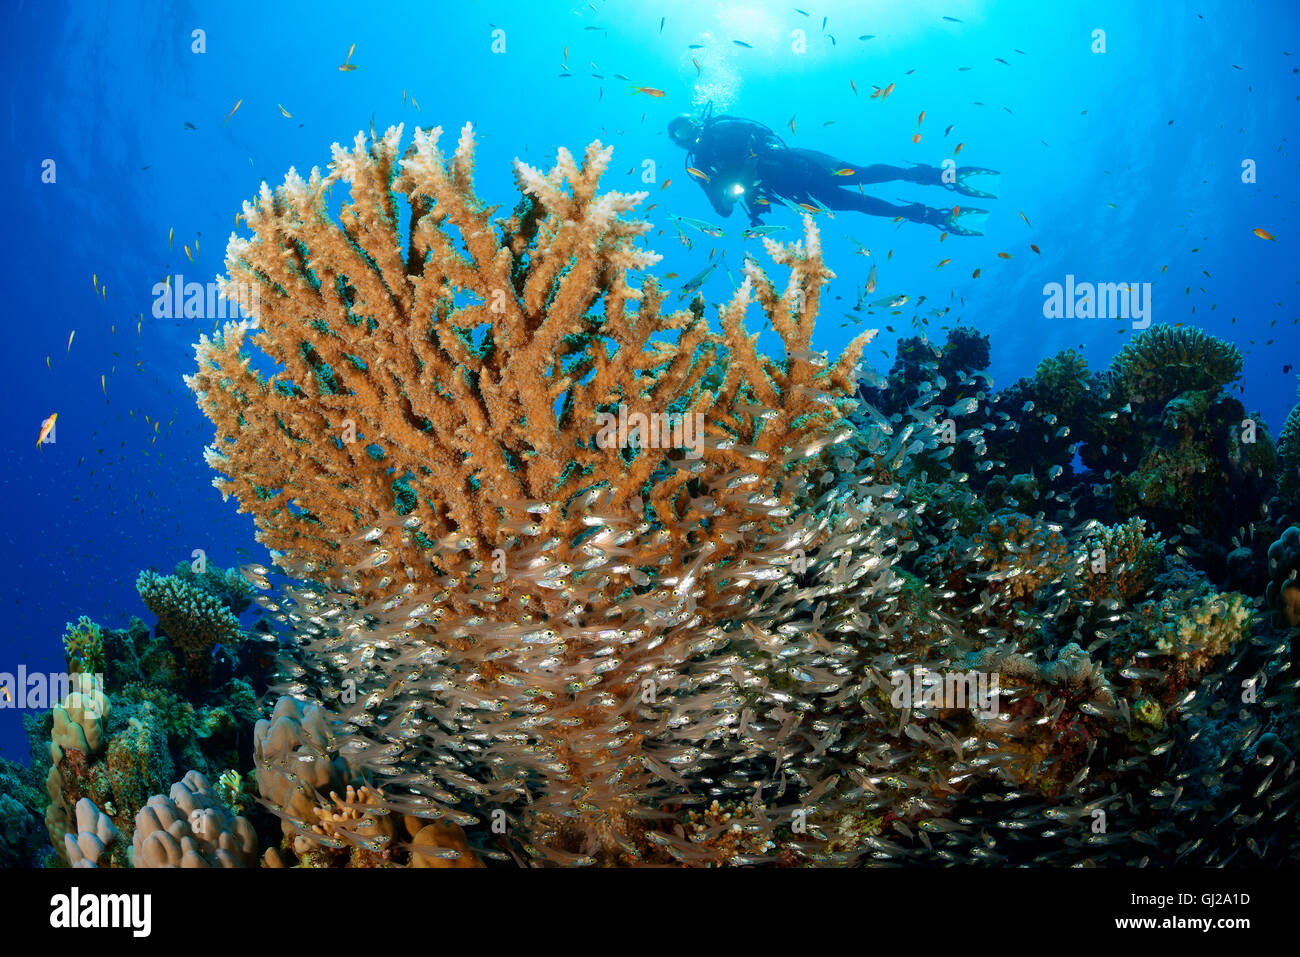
(1124, 162)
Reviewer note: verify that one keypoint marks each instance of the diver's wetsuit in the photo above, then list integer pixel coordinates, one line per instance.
(747, 163)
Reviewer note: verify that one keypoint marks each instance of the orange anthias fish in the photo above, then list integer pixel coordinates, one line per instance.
(844, 172)
(1005, 256)
(1035, 249)
(649, 90)
(697, 174)
(958, 149)
(975, 274)
(46, 428)
(916, 138)
(920, 119)
(1264, 234)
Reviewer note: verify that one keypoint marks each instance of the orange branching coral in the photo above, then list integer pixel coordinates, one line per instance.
(1119, 562)
(537, 612)
(1022, 553)
(356, 824)
(437, 380)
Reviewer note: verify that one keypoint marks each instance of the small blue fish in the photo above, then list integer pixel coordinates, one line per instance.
(755, 231)
(707, 229)
(742, 43)
(698, 280)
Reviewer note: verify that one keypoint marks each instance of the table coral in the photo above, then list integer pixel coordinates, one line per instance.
(416, 380)
(195, 619)
(1166, 360)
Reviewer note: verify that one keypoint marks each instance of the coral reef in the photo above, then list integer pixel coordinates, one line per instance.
(906, 629)
(1175, 448)
(636, 655)
(77, 736)
(117, 743)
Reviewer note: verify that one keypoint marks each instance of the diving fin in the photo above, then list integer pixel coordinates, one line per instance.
(967, 222)
(989, 180)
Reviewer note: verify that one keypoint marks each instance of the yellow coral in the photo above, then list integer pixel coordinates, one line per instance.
(1202, 629)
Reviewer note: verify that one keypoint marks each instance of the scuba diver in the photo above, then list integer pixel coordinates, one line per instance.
(745, 162)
